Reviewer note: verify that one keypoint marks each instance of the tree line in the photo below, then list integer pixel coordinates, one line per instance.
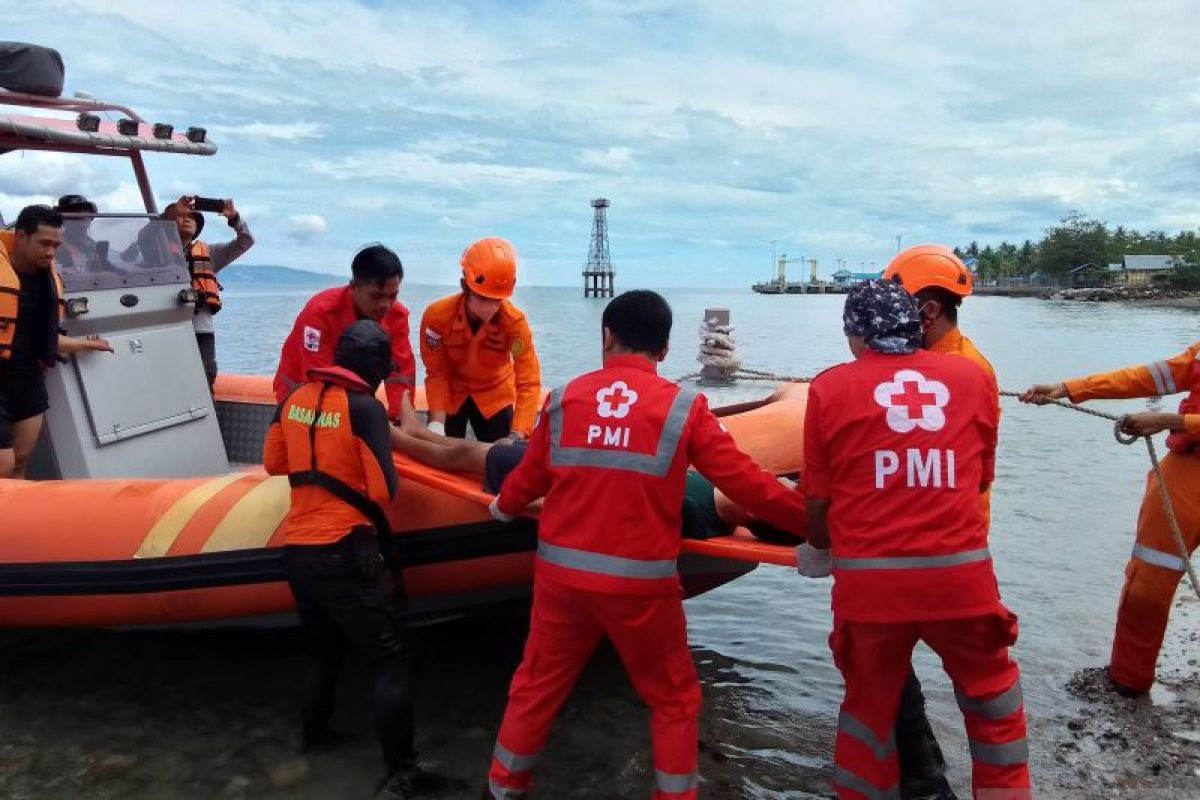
(1077, 240)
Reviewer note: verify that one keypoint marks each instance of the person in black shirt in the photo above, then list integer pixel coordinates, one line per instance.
(30, 339)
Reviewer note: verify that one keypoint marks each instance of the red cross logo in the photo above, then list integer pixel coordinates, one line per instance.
(913, 401)
(615, 401)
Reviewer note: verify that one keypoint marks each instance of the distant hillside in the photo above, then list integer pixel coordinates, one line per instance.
(252, 276)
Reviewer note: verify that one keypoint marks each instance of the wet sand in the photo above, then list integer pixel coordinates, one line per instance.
(212, 714)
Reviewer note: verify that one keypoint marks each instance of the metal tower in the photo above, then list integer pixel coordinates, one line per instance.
(598, 272)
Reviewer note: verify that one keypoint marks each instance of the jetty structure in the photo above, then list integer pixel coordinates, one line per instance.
(598, 272)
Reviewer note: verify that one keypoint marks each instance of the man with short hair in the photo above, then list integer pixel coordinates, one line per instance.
(204, 262)
(898, 445)
(610, 453)
(376, 275)
(480, 366)
(30, 338)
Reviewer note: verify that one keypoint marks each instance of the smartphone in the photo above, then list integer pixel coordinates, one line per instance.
(208, 204)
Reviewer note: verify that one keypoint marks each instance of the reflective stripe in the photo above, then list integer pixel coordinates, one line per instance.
(1002, 705)
(1000, 755)
(504, 793)
(672, 783)
(913, 562)
(882, 748)
(288, 382)
(1160, 372)
(856, 783)
(604, 564)
(402, 379)
(1158, 558)
(657, 464)
(512, 761)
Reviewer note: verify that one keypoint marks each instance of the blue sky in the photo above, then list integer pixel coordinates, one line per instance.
(713, 127)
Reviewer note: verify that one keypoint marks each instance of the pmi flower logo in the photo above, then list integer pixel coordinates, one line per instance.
(913, 401)
(615, 401)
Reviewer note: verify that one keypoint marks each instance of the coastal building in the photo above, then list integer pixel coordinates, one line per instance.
(1142, 270)
(846, 278)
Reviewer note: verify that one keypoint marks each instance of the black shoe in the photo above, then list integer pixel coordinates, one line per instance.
(417, 782)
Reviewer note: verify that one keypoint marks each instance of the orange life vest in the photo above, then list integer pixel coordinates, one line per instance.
(10, 293)
(204, 279)
(331, 493)
(1180, 441)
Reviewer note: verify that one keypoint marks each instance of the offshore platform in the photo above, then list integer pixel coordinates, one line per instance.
(598, 272)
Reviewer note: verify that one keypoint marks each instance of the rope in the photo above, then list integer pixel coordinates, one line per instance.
(1161, 482)
(747, 374)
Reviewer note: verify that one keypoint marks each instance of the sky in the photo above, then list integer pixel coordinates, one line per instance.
(713, 128)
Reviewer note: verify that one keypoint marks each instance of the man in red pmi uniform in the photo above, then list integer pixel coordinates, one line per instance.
(372, 294)
(1155, 566)
(898, 445)
(610, 453)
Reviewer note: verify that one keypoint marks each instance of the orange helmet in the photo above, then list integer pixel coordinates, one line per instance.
(490, 268)
(930, 265)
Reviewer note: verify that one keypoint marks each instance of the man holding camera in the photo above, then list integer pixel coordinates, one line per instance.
(204, 262)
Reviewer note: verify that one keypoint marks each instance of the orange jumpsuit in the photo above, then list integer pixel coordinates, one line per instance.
(495, 366)
(955, 344)
(1154, 568)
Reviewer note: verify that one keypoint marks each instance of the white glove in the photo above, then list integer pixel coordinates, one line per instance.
(437, 427)
(813, 563)
(494, 510)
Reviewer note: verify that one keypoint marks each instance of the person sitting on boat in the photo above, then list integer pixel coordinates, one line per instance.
(477, 348)
(898, 444)
(31, 305)
(204, 262)
(330, 437)
(706, 511)
(78, 251)
(376, 275)
(610, 457)
(1156, 564)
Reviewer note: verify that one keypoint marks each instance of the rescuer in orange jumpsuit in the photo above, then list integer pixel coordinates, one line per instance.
(1155, 566)
(939, 280)
(477, 348)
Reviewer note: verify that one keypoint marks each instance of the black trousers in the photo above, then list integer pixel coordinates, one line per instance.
(207, 342)
(922, 766)
(486, 429)
(346, 599)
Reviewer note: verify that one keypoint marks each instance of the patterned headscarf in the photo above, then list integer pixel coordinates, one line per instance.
(884, 315)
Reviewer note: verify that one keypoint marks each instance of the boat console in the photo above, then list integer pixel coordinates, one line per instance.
(143, 411)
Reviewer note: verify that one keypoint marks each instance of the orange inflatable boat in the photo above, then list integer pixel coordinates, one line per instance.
(124, 552)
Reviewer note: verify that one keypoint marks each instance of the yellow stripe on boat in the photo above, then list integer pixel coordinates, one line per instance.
(164, 533)
(253, 519)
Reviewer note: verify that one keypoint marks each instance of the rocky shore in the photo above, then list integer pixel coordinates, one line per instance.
(1141, 294)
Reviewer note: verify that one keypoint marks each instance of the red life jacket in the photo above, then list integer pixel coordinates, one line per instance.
(1180, 441)
(204, 279)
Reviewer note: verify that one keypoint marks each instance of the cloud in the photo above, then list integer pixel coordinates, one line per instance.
(708, 127)
(279, 132)
(306, 227)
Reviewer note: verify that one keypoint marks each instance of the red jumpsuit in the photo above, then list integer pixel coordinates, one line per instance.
(901, 445)
(1155, 567)
(314, 336)
(609, 453)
